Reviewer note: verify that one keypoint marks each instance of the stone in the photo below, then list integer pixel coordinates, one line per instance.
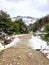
(3, 56)
(10, 64)
(29, 55)
(18, 63)
(14, 60)
(3, 60)
(26, 51)
(7, 64)
(17, 52)
(29, 49)
(18, 57)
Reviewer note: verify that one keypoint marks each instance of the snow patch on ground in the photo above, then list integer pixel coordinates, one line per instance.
(37, 43)
(14, 42)
(1, 47)
(48, 56)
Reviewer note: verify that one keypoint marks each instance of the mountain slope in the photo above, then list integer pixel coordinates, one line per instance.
(27, 19)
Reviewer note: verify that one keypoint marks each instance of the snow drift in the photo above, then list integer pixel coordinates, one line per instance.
(14, 42)
(1, 47)
(37, 43)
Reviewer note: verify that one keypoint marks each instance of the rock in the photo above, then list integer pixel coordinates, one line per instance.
(10, 64)
(45, 54)
(17, 52)
(7, 64)
(18, 63)
(18, 57)
(26, 51)
(29, 55)
(29, 49)
(3, 56)
(3, 60)
(14, 60)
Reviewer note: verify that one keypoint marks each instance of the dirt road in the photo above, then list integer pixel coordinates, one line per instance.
(22, 55)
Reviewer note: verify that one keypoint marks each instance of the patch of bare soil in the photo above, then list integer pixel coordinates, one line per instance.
(22, 55)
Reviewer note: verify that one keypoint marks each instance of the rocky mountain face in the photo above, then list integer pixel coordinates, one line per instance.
(27, 19)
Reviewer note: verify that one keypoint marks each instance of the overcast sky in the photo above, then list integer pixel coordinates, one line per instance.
(34, 8)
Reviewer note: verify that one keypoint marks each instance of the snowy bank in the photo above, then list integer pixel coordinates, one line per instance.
(37, 43)
(48, 56)
(14, 42)
(1, 47)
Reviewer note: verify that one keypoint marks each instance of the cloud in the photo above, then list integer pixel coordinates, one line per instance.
(42, 4)
(35, 8)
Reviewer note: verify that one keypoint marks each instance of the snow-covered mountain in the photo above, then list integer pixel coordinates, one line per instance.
(27, 19)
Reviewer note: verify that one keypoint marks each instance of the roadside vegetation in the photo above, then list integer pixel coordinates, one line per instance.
(11, 27)
(19, 27)
(39, 24)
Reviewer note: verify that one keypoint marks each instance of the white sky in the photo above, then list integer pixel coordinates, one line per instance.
(34, 8)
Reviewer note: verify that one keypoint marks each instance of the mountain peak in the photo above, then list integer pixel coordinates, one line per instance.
(27, 19)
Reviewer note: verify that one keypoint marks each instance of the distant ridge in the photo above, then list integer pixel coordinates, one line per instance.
(27, 19)
(24, 17)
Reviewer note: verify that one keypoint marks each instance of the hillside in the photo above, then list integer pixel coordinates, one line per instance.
(11, 27)
(41, 25)
(26, 19)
